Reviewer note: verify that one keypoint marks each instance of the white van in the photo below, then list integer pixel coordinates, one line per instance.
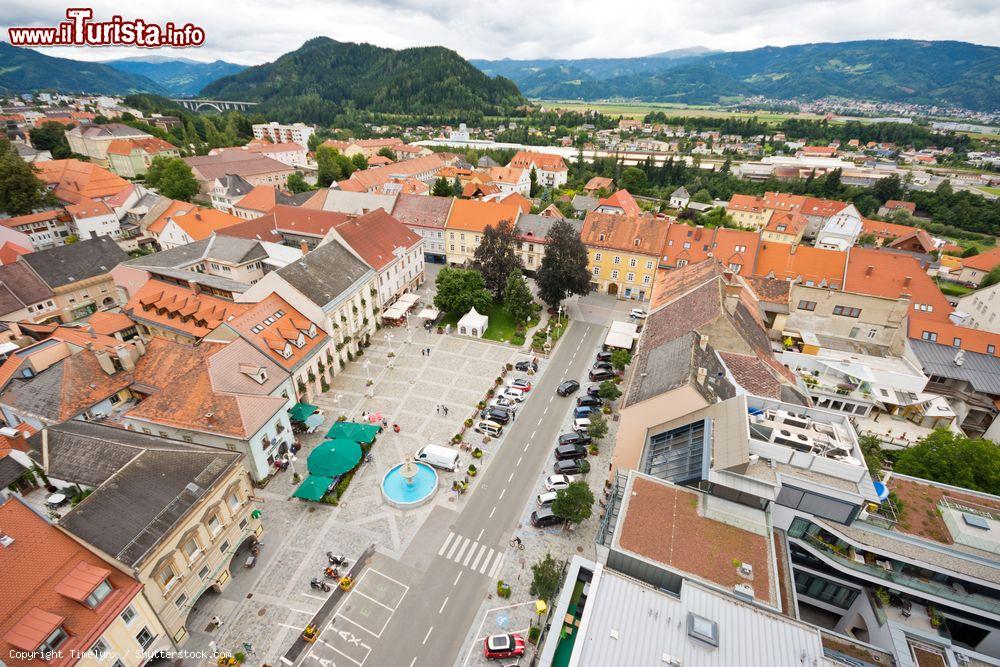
(444, 458)
(488, 427)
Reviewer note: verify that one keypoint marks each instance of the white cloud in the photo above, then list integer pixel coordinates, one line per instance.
(258, 31)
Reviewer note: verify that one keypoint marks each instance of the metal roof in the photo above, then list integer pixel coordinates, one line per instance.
(982, 371)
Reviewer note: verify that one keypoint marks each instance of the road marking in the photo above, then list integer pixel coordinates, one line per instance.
(386, 576)
(454, 546)
(551, 398)
(496, 564)
(314, 597)
(293, 627)
(457, 577)
(334, 648)
(429, 630)
(461, 550)
(475, 563)
(546, 410)
(512, 474)
(525, 447)
(368, 597)
(442, 605)
(468, 556)
(486, 563)
(518, 463)
(445, 545)
(492, 511)
(502, 491)
(302, 611)
(414, 661)
(535, 431)
(480, 535)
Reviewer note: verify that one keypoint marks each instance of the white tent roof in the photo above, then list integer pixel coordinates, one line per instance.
(429, 313)
(622, 334)
(395, 311)
(407, 300)
(474, 319)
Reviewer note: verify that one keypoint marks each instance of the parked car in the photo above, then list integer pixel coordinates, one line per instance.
(638, 313)
(581, 425)
(571, 467)
(558, 482)
(594, 390)
(570, 452)
(520, 383)
(525, 366)
(599, 375)
(544, 517)
(583, 411)
(509, 645)
(545, 499)
(592, 401)
(513, 394)
(603, 366)
(498, 415)
(567, 387)
(574, 438)
(604, 355)
(503, 402)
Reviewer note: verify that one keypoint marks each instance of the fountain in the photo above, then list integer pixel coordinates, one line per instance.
(409, 484)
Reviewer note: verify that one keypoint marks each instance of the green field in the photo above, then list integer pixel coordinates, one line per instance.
(989, 190)
(640, 109)
(501, 327)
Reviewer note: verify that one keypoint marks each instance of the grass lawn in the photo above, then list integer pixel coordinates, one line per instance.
(640, 109)
(989, 190)
(501, 328)
(953, 289)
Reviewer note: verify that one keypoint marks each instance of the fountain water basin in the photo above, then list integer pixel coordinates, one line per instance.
(409, 484)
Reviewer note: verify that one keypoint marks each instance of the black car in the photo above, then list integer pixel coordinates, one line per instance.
(495, 414)
(604, 355)
(544, 517)
(594, 390)
(599, 375)
(567, 387)
(525, 366)
(588, 400)
(603, 366)
(571, 467)
(574, 439)
(570, 452)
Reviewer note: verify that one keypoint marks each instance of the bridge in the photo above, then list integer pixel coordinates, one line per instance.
(218, 105)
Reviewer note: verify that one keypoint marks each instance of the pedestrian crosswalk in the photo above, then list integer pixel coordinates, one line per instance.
(471, 554)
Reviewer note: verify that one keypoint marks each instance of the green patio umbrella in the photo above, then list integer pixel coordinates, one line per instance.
(301, 411)
(334, 457)
(313, 488)
(363, 433)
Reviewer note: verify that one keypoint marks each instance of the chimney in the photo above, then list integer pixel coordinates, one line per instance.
(795, 246)
(702, 374)
(303, 247)
(869, 270)
(45, 449)
(104, 359)
(703, 342)
(906, 281)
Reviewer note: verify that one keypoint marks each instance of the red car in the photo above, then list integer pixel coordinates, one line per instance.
(503, 646)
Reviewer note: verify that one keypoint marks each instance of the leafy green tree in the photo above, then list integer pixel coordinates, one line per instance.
(460, 290)
(971, 251)
(574, 503)
(533, 177)
(888, 188)
(51, 137)
(387, 153)
(832, 187)
(598, 426)
(950, 458)
(944, 188)
(991, 278)
(517, 297)
(297, 183)
(620, 359)
(359, 161)
(441, 188)
(563, 270)
(702, 196)
(609, 391)
(456, 187)
(871, 448)
(634, 180)
(545, 578)
(496, 256)
(21, 191)
(867, 239)
(328, 169)
(173, 178)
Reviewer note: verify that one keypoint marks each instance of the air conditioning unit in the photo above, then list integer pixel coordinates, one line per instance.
(746, 569)
(744, 591)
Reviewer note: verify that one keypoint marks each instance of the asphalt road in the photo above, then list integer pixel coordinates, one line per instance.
(417, 613)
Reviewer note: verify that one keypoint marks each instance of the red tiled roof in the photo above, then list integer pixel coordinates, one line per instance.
(107, 323)
(803, 263)
(752, 374)
(895, 205)
(178, 308)
(599, 183)
(884, 230)
(984, 261)
(149, 145)
(31, 218)
(895, 275)
(74, 180)
(289, 220)
(747, 203)
(9, 252)
(422, 211)
(369, 179)
(543, 161)
(822, 207)
(375, 235)
(971, 340)
(282, 333)
(787, 222)
(199, 223)
(780, 201)
(638, 234)
(474, 215)
(175, 208)
(262, 198)
(88, 208)
(623, 200)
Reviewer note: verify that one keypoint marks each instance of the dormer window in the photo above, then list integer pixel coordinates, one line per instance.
(97, 596)
(286, 351)
(601, 237)
(300, 341)
(53, 641)
(311, 332)
(637, 242)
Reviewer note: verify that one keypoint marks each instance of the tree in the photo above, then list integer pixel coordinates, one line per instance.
(517, 297)
(21, 191)
(832, 187)
(441, 188)
(327, 169)
(971, 251)
(456, 187)
(545, 577)
(496, 256)
(991, 278)
(297, 183)
(950, 458)
(51, 137)
(359, 161)
(702, 196)
(944, 189)
(574, 502)
(598, 425)
(609, 391)
(533, 177)
(885, 189)
(564, 266)
(387, 153)
(460, 290)
(620, 359)
(871, 448)
(173, 178)
(867, 239)
(634, 180)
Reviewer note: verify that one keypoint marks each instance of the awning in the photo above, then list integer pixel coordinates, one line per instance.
(301, 411)
(622, 334)
(429, 313)
(362, 433)
(394, 312)
(407, 300)
(313, 488)
(334, 457)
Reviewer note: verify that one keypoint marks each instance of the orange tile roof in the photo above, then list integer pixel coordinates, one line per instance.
(623, 200)
(787, 222)
(822, 207)
(290, 220)
(510, 175)
(88, 208)
(368, 179)
(262, 198)
(543, 161)
(85, 337)
(474, 215)
(885, 230)
(149, 145)
(281, 334)
(747, 203)
(728, 247)
(178, 308)
(780, 201)
(638, 234)
(895, 205)
(175, 208)
(9, 252)
(199, 223)
(599, 183)
(375, 235)
(107, 323)
(32, 218)
(516, 198)
(74, 180)
(698, 239)
(35, 573)
(802, 263)
(971, 340)
(894, 275)
(984, 261)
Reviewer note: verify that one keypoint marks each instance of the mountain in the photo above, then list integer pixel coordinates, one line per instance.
(181, 77)
(25, 70)
(324, 77)
(919, 72)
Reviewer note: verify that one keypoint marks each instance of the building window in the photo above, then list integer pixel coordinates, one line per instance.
(597, 271)
(234, 501)
(991, 349)
(53, 641)
(99, 648)
(703, 629)
(956, 342)
(645, 280)
(872, 333)
(735, 268)
(166, 577)
(128, 614)
(930, 336)
(846, 311)
(649, 265)
(145, 638)
(617, 259)
(614, 274)
(630, 278)
(224, 547)
(203, 572)
(214, 525)
(807, 305)
(97, 596)
(632, 262)
(597, 256)
(681, 262)
(191, 549)
(181, 599)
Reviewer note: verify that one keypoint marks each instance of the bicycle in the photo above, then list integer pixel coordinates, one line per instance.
(517, 543)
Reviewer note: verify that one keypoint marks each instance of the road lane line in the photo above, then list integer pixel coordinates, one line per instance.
(517, 464)
(546, 410)
(496, 564)
(475, 563)
(536, 430)
(444, 546)
(480, 536)
(429, 630)
(502, 491)
(461, 550)
(414, 661)
(486, 563)
(492, 511)
(314, 597)
(442, 605)
(511, 476)
(454, 546)
(457, 577)
(525, 447)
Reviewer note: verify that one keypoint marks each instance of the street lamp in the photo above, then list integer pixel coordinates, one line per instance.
(560, 312)
(388, 339)
(368, 374)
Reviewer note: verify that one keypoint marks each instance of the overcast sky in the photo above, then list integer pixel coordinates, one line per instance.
(260, 30)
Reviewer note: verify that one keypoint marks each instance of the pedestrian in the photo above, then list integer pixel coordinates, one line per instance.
(446, 411)
(217, 622)
(385, 423)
